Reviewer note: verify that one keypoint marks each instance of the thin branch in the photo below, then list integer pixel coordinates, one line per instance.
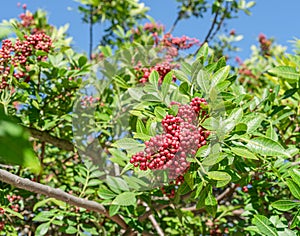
(44, 136)
(154, 222)
(31, 186)
(156, 225)
(227, 192)
(148, 213)
(220, 22)
(175, 22)
(212, 26)
(91, 32)
(209, 31)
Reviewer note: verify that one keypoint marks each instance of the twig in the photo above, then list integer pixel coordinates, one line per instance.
(175, 22)
(221, 22)
(31, 186)
(156, 225)
(153, 221)
(91, 32)
(148, 213)
(44, 136)
(212, 26)
(227, 191)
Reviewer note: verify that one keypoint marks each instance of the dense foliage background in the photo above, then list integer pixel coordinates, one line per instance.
(147, 133)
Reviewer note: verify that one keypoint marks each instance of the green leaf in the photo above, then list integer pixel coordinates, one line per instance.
(285, 205)
(126, 143)
(295, 174)
(271, 133)
(153, 78)
(219, 76)
(82, 61)
(15, 148)
(287, 73)
(203, 51)
(265, 146)
(113, 209)
(263, 224)
(12, 212)
(290, 92)
(202, 196)
(71, 230)
(136, 93)
(106, 194)
(254, 123)
(166, 84)
(222, 177)
(243, 152)
(236, 115)
(44, 216)
(160, 112)
(211, 203)
(203, 80)
(150, 98)
(294, 188)
(219, 175)
(106, 50)
(116, 184)
(45, 201)
(42, 229)
(140, 127)
(296, 220)
(125, 199)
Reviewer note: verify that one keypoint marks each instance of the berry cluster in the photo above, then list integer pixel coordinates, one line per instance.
(163, 68)
(181, 139)
(153, 27)
(176, 43)
(88, 101)
(13, 199)
(245, 71)
(183, 42)
(19, 53)
(265, 44)
(2, 224)
(27, 19)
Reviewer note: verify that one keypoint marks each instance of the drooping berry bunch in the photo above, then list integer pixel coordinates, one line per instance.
(153, 27)
(27, 19)
(88, 101)
(265, 44)
(14, 199)
(162, 68)
(181, 139)
(183, 42)
(178, 43)
(2, 225)
(18, 55)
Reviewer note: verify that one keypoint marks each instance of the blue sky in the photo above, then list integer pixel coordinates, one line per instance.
(275, 18)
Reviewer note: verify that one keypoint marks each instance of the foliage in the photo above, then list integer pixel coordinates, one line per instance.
(161, 143)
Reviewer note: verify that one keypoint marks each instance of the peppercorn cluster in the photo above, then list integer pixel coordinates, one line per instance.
(181, 138)
(17, 55)
(162, 69)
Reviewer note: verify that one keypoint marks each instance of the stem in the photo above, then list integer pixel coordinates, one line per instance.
(85, 184)
(91, 32)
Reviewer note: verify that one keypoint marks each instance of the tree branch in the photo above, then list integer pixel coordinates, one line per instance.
(175, 23)
(44, 136)
(154, 222)
(31, 186)
(148, 213)
(228, 191)
(212, 26)
(220, 23)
